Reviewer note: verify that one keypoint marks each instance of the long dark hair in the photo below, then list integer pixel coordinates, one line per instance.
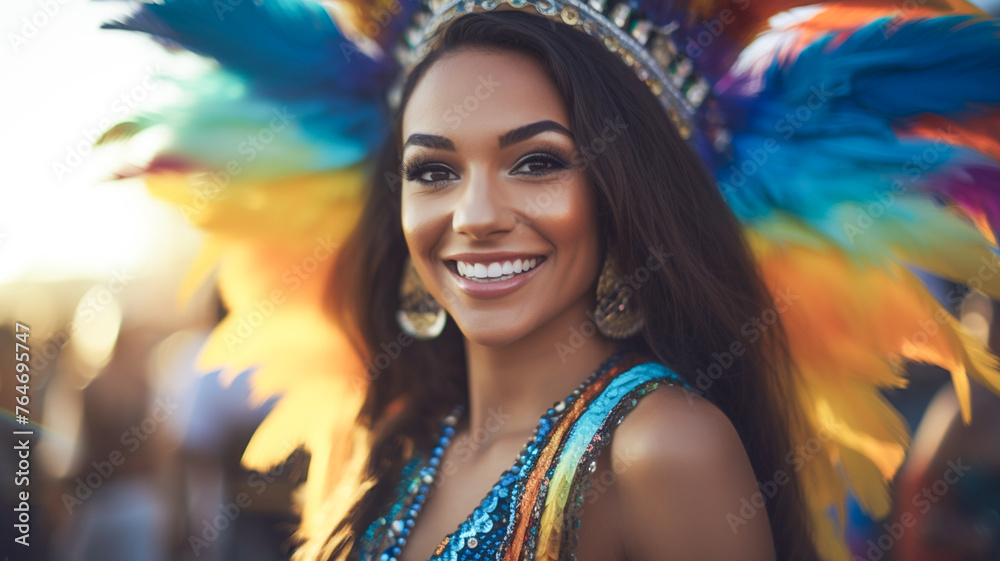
(652, 193)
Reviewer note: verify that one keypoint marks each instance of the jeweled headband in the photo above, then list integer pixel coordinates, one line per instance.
(643, 46)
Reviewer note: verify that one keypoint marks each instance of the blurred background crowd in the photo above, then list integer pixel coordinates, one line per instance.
(136, 453)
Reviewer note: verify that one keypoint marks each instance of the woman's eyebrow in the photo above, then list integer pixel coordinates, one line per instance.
(528, 131)
(510, 137)
(429, 141)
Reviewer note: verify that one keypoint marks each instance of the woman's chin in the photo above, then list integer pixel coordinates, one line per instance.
(485, 335)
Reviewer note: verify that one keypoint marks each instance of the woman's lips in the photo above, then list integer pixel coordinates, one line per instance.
(491, 287)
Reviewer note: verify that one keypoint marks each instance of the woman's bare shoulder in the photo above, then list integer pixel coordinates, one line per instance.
(685, 476)
(676, 422)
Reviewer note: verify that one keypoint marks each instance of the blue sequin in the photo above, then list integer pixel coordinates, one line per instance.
(490, 524)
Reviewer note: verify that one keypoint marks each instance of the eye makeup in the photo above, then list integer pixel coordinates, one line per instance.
(418, 167)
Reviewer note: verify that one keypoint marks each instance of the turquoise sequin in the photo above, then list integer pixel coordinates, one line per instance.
(486, 533)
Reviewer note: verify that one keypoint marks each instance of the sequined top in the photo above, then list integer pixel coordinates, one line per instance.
(531, 511)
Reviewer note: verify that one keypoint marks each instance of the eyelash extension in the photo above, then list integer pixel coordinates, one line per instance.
(550, 155)
(417, 166)
(412, 169)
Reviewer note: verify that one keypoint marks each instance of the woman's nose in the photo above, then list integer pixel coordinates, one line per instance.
(483, 208)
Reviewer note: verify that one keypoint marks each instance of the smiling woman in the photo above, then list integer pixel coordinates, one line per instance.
(610, 306)
(508, 226)
(465, 200)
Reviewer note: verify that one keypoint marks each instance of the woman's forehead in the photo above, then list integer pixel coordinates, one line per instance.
(482, 90)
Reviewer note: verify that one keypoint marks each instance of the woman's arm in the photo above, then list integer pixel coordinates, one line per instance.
(688, 490)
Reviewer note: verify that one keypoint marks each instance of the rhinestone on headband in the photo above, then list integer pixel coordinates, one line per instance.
(648, 49)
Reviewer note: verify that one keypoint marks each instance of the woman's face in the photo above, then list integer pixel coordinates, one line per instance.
(500, 225)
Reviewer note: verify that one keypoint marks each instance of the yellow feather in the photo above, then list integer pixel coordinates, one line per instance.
(850, 322)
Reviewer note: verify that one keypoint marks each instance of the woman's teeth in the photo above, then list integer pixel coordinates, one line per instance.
(496, 271)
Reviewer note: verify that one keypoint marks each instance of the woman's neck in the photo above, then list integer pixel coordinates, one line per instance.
(511, 386)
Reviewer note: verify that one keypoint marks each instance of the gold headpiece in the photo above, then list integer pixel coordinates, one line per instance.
(643, 46)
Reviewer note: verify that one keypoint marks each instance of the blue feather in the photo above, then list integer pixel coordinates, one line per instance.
(289, 53)
(821, 130)
(937, 65)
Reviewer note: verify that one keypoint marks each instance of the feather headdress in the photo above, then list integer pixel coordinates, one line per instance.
(853, 141)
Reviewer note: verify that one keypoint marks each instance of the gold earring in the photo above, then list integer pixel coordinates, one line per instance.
(419, 314)
(617, 314)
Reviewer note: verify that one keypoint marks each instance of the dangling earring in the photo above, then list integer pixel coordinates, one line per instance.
(617, 315)
(419, 314)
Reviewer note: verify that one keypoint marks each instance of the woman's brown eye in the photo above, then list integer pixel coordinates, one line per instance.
(540, 164)
(426, 174)
(432, 176)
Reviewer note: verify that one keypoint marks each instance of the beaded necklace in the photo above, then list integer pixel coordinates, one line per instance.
(508, 518)
(401, 528)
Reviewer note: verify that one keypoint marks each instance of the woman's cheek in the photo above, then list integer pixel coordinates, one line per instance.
(418, 220)
(564, 212)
